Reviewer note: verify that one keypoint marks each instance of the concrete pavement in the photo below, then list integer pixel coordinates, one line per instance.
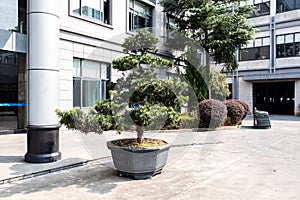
(242, 163)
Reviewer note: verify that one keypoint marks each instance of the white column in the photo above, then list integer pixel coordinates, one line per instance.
(42, 71)
(43, 39)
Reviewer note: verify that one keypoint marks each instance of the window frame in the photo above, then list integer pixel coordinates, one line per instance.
(131, 14)
(284, 46)
(79, 77)
(255, 49)
(284, 9)
(258, 4)
(90, 19)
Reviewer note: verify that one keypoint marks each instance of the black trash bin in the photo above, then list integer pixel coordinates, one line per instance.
(261, 119)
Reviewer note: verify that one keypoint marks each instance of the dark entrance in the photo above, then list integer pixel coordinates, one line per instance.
(8, 90)
(274, 97)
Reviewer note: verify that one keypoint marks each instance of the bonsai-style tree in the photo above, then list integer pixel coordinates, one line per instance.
(140, 96)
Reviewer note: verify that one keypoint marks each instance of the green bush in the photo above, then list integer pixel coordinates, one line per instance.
(156, 117)
(187, 121)
(235, 112)
(104, 115)
(212, 113)
(103, 107)
(77, 119)
(246, 108)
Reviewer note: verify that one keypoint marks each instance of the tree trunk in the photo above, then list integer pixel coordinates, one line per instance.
(140, 134)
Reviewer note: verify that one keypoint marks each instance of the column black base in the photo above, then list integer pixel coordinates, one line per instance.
(42, 144)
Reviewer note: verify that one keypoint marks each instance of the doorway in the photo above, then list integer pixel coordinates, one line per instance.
(274, 97)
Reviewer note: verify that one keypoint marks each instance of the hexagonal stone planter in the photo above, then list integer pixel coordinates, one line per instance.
(139, 163)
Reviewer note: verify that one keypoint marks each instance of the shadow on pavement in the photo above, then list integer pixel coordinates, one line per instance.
(94, 178)
(11, 159)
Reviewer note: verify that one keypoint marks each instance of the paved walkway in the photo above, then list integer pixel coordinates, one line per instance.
(236, 163)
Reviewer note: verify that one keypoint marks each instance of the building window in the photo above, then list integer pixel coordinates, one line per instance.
(259, 49)
(90, 79)
(288, 45)
(99, 10)
(140, 15)
(262, 7)
(287, 5)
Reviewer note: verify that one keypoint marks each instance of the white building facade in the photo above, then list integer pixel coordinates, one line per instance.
(58, 54)
(90, 34)
(268, 77)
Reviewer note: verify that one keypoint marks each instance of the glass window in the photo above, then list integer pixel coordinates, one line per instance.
(262, 7)
(13, 15)
(103, 71)
(256, 50)
(140, 15)
(90, 69)
(89, 82)
(287, 5)
(297, 6)
(76, 67)
(289, 38)
(297, 37)
(266, 41)
(76, 92)
(288, 45)
(90, 92)
(297, 49)
(258, 42)
(98, 10)
(280, 39)
(265, 52)
(246, 54)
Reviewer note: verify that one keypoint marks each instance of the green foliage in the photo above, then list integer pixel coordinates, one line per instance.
(212, 113)
(235, 112)
(219, 89)
(141, 42)
(153, 100)
(77, 119)
(103, 107)
(67, 117)
(105, 115)
(220, 27)
(188, 122)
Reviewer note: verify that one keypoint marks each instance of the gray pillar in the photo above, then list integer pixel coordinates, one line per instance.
(42, 71)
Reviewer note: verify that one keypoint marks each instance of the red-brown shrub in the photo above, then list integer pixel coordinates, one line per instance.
(246, 108)
(235, 112)
(212, 113)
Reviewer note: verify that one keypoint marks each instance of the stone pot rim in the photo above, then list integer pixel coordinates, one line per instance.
(139, 149)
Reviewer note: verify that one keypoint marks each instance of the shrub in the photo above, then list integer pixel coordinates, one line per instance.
(235, 112)
(77, 119)
(187, 121)
(156, 117)
(103, 107)
(100, 121)
(104, 115)
(246, 108)
(212, 113)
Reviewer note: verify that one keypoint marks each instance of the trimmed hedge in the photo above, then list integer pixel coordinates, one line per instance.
(246, 108)
(212, 113)
(235, 112)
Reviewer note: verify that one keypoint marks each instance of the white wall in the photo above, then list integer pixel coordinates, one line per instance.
(246, 92)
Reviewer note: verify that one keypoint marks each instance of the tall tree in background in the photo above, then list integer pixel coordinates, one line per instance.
(220, 26)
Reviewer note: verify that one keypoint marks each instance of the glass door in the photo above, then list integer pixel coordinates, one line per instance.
(8, 90)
